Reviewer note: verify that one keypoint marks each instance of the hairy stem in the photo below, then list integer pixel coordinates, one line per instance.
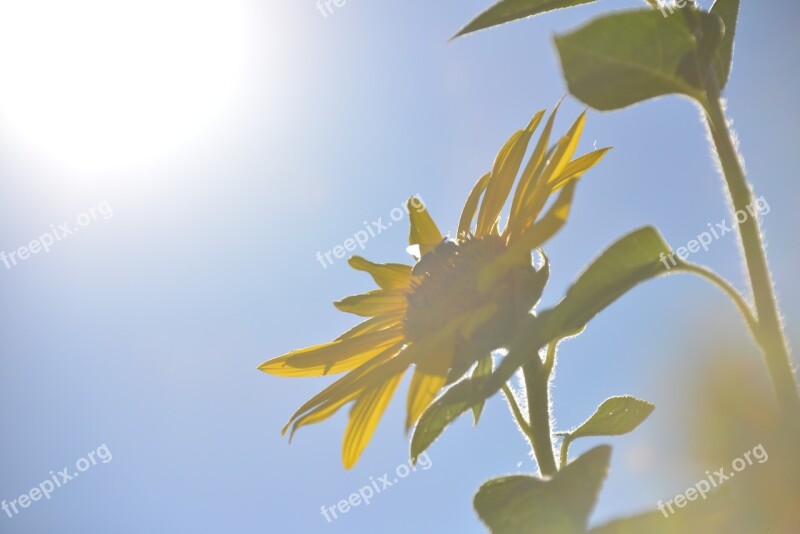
(771, 338)
(562, 457)
(515, 409)
(537, 384)
(724, 285)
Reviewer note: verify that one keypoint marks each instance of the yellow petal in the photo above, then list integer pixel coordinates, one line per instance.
(519, 250)
(434, 358)
(552, 222)
(320, 413)
(566, 149)
(374, 303)
(532, 171)
(386, 275)
(340, 392)
(424, 231)
(334, 357)
(372, 375)
(558, 162)
(364, 418)
(534, 200)
(426, 384)
(504, 172)
(379, 322)
(471, 205)
(577, 167)
(354, 385)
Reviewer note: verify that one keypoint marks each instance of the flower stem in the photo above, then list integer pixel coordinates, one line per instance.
(770, 338)
(537, 384)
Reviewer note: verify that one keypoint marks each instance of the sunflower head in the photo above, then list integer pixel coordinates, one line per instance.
(461, 300)
(444, 283)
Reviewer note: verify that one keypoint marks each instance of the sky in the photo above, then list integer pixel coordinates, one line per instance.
(201, 153)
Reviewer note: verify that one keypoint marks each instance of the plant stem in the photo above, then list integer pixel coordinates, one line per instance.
(770, 337)
(537, 383)
(562, 457)
(744, 309)
(518, 417)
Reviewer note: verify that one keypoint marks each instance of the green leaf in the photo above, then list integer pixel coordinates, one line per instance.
(709, 31)
(443, 411)
(728, 11)
(620, 59)
(616, 416)
(465, 394)
(484, 368)
(628, 262)
(637, 257)
(526, 505)
(508, 10)
(447, 408)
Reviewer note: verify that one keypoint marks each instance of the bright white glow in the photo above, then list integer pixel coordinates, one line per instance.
(102, 84)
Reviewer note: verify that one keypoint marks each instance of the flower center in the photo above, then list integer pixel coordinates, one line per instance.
(445, 282)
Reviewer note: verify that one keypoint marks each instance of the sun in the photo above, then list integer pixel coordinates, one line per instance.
(94, 84)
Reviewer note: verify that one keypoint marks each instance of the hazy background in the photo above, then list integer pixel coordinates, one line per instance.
(235, 139)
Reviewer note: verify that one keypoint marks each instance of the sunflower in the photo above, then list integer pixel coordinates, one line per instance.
(459, 301)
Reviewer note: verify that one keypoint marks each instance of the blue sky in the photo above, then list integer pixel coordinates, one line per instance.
(143, 331)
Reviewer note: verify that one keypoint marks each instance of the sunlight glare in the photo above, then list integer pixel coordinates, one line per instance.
(93, 84)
